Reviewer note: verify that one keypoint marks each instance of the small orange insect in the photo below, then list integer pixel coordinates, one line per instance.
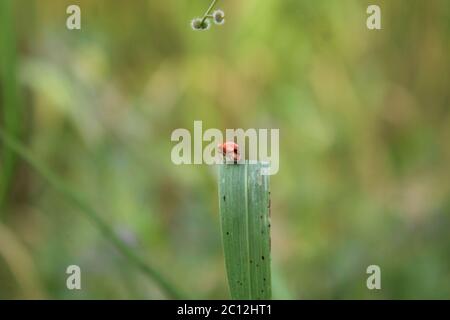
(230, 151)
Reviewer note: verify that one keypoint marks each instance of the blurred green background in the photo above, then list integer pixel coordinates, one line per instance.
(364, 127)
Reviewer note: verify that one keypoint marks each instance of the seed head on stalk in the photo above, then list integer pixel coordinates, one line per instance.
(203, 23)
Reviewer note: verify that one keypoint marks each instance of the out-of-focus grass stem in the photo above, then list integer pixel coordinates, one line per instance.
(9, 95)
(79, 202)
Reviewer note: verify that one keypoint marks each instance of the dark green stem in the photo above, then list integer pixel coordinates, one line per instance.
(10, 104)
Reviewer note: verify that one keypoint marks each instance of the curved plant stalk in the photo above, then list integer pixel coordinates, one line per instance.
(244, 203)
(208, 12)
(78, 201)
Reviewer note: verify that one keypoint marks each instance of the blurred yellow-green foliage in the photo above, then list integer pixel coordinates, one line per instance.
(364, 153)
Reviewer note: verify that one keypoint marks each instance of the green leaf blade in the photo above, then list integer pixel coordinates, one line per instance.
(259, 232)
(244, 210)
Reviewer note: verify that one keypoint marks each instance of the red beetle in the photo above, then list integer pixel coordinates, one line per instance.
(230, 151)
